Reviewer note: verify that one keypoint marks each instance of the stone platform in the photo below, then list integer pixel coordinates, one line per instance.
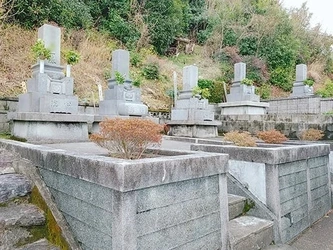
(50, 127)
(196, 129)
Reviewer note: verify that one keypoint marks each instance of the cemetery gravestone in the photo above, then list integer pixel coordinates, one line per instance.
(300, 89)
(122, 98)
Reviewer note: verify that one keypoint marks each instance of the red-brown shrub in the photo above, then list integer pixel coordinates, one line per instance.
(128, 138)
(312, 135)
(272, 136)
(243, 139)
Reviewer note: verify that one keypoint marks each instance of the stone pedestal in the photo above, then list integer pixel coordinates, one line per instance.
(50, 128)
(301, 90)
(243, 108)
(194, 129)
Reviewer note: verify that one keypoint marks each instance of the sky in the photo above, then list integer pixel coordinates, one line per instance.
(321, 12)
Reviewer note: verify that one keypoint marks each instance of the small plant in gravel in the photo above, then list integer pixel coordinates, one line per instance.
(128, 138)
(272, 136)
(243, 139)
(311, 135)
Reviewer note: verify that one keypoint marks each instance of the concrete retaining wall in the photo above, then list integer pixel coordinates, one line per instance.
(176, 201)
(293, 182)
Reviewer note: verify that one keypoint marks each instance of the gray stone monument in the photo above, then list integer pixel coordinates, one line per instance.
(242, 98)
(239, 91)
(48, 111)
(299, 88)
(51, 91)
(122, 99)
(192, 116)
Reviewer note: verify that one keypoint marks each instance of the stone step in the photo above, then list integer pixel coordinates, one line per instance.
(250, 233)
(236, 205)
(42, 244)
(22, 215)
(13, 186)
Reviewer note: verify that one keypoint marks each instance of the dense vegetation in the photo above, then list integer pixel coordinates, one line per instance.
(259, 32)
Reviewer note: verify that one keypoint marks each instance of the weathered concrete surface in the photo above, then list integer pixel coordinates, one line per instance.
(319, 236)
(250, 233)
(281, 247)
(88, 187)
(236, 205)
(13, 185)
(42, 244)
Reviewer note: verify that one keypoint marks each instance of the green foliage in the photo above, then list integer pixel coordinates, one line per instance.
(216, 92)
(200, 92)
(120, 79)
(69, 14)
(40, 51)
(247, 82)
(309, 82)
(264, 91)
(151, 71)
(205, 83)
(72, 57)
(327, 90)
(282, 77)
(135, 59)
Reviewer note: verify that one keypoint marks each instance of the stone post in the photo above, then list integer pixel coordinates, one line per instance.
(120, 64)
(190, 80)
(52, 39)
(239, 72)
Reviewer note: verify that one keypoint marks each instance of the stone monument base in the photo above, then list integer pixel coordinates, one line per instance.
(50, 128)
(243, 108)
(196, 129)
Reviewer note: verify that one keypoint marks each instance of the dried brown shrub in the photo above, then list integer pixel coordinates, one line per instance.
(312, 135)
(128, 138)
(272, 136)
(243, 139)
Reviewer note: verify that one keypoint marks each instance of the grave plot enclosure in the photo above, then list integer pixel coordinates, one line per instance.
(292, 181)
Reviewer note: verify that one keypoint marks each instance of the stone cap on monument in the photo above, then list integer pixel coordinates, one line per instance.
(51, 35)
(120, 63)
(301, 72)
(190, 77)
(239, 72)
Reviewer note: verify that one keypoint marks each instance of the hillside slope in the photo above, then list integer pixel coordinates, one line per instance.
(95, 66)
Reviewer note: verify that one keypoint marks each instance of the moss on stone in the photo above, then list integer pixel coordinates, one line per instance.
(36, 232)
(249, 204)
(53, 232)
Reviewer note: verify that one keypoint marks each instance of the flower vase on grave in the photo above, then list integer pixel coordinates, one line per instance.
(68, 70)
(41, 66)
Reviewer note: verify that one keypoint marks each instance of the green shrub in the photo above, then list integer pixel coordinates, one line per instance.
(151, 71)
(72, 57)
(264, 91)
(202, 92)
(327, 90)
(40, 51)
(282, 78)
(69, 14)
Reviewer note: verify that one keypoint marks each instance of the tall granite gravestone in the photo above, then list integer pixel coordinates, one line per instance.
(122, 98)
(242, 98)
(51, 91)
(192, 116)
(48, 112)
(299, 88)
